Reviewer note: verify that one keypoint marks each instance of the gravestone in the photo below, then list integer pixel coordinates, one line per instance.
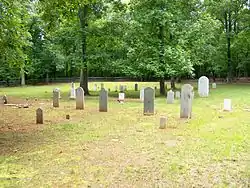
(39, 116)
(177, 94)
(214, 85)
(163, 122)
(72, 91)
(121, 97)
(186, 101)
(79, 98)
(142, 94)
(203, 86)
(95, 87)
(227, 105)
(149, 97)
(170, 97)
(103, 101)
(58, 90)
(56, 95)
(136, 87)
(121, 88)
(102, 85)
(5, 100)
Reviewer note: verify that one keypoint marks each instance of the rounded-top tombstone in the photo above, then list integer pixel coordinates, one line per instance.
(103, 100)
(186, 101)
(170, 97)
(72, 91)
(79, 98)
(203, 86)
(149, 96)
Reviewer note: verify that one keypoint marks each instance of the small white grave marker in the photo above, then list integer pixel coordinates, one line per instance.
(214, 85)
(121, 97)
(142, 94)
(227, 105)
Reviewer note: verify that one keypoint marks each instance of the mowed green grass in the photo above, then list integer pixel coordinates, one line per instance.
(123, 148)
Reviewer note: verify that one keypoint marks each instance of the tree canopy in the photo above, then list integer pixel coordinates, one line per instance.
(143, 39)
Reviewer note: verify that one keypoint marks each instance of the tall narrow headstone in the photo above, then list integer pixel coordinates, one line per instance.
(39, 116)
(95, 87)
(103, 100)
(79, 98)
(177, 94)
(136, 87)
(58, 90)
(72, 91)
(56, 95)
(170, 97)
(214, 85)
(149, 97)
(203, 86)
(142, 94)
(186, 101)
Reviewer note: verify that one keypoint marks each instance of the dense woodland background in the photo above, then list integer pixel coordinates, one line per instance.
(142, 39)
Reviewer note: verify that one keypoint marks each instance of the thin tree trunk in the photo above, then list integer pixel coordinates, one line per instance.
(83, 16)
(47, 78)
(173, 83)
(162, 58)
(228, 33)
(22, 77)
(162, 87)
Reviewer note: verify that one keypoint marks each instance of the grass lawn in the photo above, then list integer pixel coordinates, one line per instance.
(123, 148)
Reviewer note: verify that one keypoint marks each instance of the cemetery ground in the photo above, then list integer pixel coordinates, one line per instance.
(122, 147)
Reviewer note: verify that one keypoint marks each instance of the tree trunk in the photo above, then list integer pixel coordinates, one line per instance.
(83, 17)
(162, 87)
(47, 78)
(22, 77)
(228, 25)
(173, 83)
(162, 58)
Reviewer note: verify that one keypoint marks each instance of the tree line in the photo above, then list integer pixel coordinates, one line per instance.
(143, 39)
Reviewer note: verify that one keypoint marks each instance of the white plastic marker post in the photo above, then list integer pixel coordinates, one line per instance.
(227, 105)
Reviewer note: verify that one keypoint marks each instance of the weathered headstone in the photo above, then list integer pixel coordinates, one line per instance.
(39, 116)
(103, 100)
(102, 85)
(59, 91)
(79, 98)
(56, 95)
(177, 94)
(227, 105)
(149, 97)
(121, 88)
(163, 122)
(186, 101)
(170, 97)
(5, 100)
(72, 91)
(203, 86)
(142, 94)
(121, 97)
(95, 87)
(214, 85)
(136, 87)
